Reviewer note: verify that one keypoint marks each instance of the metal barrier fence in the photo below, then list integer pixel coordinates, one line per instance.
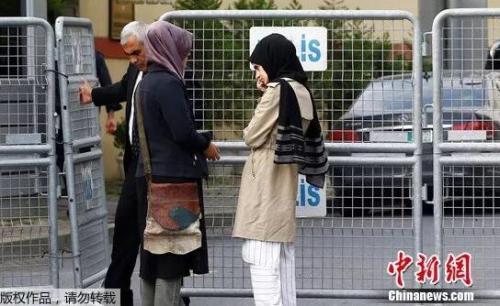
(373, 68)
(370, 105)
(466, 141)
(83, 162)
(28, 213)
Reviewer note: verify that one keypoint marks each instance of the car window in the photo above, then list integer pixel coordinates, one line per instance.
(390, 96)
(382, 97)
(465, 97)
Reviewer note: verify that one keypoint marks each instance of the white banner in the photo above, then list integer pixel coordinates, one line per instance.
(310, 42)
(311, 200)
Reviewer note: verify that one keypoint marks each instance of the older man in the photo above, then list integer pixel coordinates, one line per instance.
(126, 237)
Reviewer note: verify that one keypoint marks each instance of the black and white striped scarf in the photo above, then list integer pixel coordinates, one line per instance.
(293, 145)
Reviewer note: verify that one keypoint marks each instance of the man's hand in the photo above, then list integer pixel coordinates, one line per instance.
(111, 123)
(86, 93)
(212, 152)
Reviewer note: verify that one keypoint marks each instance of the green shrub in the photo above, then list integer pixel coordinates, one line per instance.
(121, 135)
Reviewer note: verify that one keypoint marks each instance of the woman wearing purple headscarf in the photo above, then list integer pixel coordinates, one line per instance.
(177, 155)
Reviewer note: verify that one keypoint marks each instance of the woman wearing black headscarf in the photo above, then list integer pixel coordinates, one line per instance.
(284, 136)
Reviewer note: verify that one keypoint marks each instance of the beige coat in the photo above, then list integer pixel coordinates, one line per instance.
(266, 203)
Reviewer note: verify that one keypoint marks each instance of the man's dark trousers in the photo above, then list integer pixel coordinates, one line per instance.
(126, 239)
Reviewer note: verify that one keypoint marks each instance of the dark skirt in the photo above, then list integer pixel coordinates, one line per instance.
(169, 265)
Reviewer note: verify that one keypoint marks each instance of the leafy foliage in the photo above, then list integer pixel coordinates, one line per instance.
(121, 135)
(197, 4)
(255, 5)
(294, 5)
(333, 5)
(56, 8)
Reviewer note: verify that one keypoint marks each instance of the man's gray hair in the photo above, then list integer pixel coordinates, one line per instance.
(134, 28)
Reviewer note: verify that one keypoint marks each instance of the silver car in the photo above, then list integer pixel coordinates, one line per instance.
(383, 113)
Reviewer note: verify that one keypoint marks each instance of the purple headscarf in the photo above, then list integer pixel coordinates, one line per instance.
(167, 45)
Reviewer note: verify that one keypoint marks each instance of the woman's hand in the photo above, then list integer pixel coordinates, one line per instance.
(212, 152)
(261, 86)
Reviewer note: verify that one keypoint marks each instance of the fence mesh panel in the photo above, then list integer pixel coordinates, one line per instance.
(347, 249)
(23, 85)
(470, 98)
(366, 95)
(83, 162)
(24, 227)
(25, 114)
(359, 52)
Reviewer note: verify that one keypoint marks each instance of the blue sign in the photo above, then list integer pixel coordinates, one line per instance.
(310, 43)
(311, 200)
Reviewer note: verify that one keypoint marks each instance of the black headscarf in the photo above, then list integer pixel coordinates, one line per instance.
(493, 62)
(277, 55)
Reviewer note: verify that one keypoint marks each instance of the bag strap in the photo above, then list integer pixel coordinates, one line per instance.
(143, 141)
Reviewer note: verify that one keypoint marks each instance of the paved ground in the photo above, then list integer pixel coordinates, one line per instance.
(341, 253)
(204, 301)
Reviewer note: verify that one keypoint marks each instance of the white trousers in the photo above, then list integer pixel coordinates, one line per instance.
(272, 269)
